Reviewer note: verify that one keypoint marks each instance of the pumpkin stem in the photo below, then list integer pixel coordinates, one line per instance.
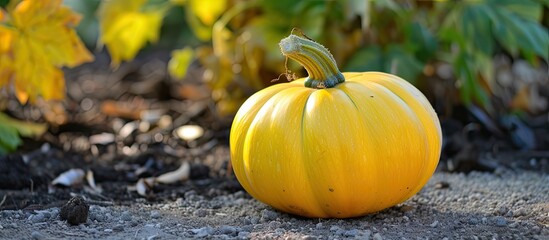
(315, 58)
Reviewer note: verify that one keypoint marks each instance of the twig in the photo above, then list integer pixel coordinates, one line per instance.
(3, 200)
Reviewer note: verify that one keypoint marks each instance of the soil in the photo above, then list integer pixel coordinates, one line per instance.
(491, 183)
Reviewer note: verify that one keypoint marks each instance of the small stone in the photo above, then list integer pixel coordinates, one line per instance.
(155, 214)
(378, 236)
(501, 221)
(442, 185)
(37, 235)
(228, 230)
(200, 212)
(308, 237)
(406, 208)
(334, 228)
(244, 234)
(350, 233)
(319, 226)
(434, 224)
(268, 215)
(473, 221)
(75, 211)
(37, 218)
(279, 231)
(202, 232)
(274, 224)
(118, 227)
(126, 216)
(502, 210)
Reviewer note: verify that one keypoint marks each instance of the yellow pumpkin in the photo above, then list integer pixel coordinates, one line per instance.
(334, 144)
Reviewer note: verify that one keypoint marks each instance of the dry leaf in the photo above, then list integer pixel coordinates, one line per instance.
(69, 178)
(181, 174)
(189, 132)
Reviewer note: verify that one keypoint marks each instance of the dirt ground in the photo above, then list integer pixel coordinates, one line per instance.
(503, 205)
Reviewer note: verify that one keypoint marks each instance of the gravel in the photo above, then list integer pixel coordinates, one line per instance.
(507, 205)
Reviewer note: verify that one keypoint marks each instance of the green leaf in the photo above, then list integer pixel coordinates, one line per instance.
(476, 28)
(9, 139)
(527, 9)
(422, 40)
(26, 129)
(395, 60)
(180, 61)
(366, 59)
(402, 63)
(470, 89)
(525, 35)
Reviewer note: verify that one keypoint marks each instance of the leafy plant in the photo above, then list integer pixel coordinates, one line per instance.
(37, 39)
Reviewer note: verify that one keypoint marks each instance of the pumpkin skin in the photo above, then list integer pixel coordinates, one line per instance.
(364, 145)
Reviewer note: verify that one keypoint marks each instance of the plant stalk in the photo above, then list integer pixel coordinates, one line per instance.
(315, 58)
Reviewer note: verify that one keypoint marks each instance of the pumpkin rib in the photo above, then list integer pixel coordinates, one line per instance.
(246, 114)
(361, 86)
(421, 129)
(412, 96)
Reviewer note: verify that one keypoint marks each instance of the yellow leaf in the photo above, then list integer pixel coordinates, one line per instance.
(41, 39)
(180, 61)
(125, 28)
(202, 14)
(208, 10)
(6, 66)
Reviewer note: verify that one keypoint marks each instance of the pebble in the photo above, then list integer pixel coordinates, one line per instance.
(202, 232)
(268, 215)
(155, 214)
(434, 224)
(500, 221)
(366, 234)
(228, 230)
(319, 226)
(126, 216)
(351, 233)
(279, 231)
(334, 228)
(244, 234)
(473, 221)
(37, 235)
(37, 218)
(118, 227)
(200, 212)
(378, 236)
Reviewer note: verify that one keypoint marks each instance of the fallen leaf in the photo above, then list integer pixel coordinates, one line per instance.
(181, 174)
(189, 132)
(69, 178)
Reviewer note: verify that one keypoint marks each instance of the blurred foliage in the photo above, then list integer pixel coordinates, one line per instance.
(401, 37)
(236, 41)
(11, 129)
(37, 39)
